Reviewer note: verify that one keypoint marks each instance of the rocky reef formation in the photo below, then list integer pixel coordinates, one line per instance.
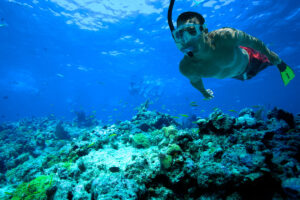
(149, 157)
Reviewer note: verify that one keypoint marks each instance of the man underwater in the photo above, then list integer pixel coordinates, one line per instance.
(223, 53)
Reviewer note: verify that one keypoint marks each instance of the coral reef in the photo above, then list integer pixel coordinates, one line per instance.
(151, 157)
(60, 132)
(35, 189)
(84, 121)
(141, 141)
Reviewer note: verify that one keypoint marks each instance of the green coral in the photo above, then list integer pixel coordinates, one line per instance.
(141, 141)
(165, 161)
(67, 165)
(156, 133)
(51, 160)
(170, 131)
(35, 189)
(11, 173)
(64, 156)
(174, 149)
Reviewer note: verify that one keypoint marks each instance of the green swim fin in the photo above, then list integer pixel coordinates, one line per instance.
(287, 74)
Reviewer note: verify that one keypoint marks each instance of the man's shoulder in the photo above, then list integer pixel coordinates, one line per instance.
(226, 36)
(185, 65)
(223, 32)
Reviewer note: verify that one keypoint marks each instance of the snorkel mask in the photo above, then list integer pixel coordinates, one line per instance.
(186, 35)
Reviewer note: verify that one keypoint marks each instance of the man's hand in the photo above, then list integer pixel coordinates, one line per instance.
(208, 94)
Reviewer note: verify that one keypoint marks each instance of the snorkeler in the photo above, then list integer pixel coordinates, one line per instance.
(223, 53)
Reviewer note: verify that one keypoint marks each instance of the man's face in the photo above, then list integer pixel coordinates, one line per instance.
(193, 20)
(187, 34)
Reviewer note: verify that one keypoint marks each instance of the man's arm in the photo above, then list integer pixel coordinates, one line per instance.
(238, 37)
(195, 80)
(199, 86)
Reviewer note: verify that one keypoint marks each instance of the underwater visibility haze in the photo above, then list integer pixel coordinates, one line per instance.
(93, 104)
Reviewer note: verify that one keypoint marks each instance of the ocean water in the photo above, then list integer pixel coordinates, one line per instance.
(100, 60)
(57, 56)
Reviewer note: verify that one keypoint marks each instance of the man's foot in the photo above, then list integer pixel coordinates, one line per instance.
(287, 74)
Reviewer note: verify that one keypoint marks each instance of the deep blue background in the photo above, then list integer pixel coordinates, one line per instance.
(58, 56)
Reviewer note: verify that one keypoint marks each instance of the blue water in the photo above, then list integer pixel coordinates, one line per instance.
(108, 57)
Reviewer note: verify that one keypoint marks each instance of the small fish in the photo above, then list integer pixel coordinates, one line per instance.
(91, 145)
(60, 75)
(197, 2)
(232, 111)
(183, 115)
(215, 108)
(51, 181)
(195, 122)
(5, 97)
(220, 117)
(112, 135)
(94, 111)
(194, 105)
(256, 106)
(82, 69)
(9, 193)
(195, 130)
(100, 83)
(175, 117)
(3, 23)
(115, 109)
(92, 116)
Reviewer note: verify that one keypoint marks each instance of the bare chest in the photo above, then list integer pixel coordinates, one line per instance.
(224, 63)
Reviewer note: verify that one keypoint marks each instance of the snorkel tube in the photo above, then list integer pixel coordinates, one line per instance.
(170, 16)
(170, 22)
